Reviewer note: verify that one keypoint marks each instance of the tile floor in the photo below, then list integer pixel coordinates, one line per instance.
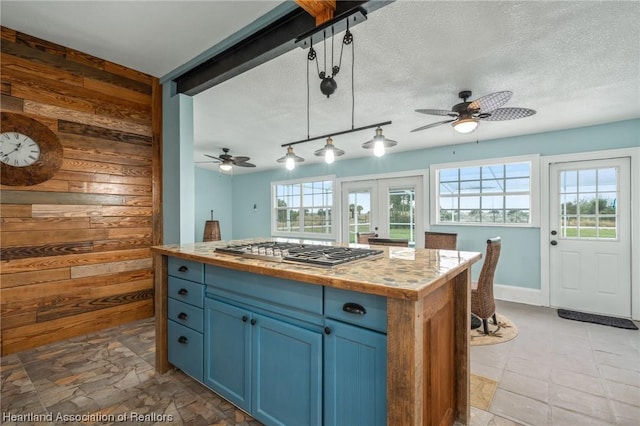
(556, 372)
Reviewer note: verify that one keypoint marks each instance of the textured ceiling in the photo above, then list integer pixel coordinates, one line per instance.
(576, 63)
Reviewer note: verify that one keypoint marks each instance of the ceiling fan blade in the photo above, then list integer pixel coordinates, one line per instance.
(437, 112)
(428, 126)
(513, 113)
(244, 164)
(239, 159)
(490, 102)
(202, 162)
(211, 156)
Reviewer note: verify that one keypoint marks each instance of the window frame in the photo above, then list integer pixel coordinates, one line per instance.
(534, 190)
(305, 235)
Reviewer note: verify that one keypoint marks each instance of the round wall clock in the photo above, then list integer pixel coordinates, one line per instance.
(30, 152)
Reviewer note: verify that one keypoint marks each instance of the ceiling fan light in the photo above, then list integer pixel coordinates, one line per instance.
(225, 166)
(465, 125)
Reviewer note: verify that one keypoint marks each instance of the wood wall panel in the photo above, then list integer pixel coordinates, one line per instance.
(74, 250)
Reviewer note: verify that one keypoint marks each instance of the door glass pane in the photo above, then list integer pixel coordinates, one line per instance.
(359, 213)
(402, 224)
(588, 203)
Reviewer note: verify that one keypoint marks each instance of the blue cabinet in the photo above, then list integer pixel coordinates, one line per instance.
(355, 371)
(287, 373)
(355, 358)
(269, 368)
(184, 322)
(227, 367)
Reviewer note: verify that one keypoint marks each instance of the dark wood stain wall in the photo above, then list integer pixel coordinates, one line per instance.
(75, 252)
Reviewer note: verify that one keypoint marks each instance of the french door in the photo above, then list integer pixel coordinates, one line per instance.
(392, 208)
(590, 236)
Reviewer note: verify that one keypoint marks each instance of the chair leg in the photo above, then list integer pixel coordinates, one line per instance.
(485, 325)
(495, 320)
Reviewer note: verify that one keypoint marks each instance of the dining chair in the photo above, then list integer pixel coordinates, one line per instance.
(440, 240)
(363, 237)
(483, 304)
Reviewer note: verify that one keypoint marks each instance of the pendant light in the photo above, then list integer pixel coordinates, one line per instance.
(379, 143)
(329, 151)
(290, 159)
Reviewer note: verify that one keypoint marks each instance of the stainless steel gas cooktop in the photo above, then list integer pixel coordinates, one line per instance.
(309, 254)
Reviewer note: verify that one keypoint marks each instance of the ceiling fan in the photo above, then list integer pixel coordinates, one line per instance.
(227, 161)
(466, 115)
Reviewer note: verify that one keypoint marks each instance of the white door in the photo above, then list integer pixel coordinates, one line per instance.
(590, 241)
(392, 208)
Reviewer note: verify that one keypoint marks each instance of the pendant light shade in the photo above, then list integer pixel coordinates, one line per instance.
(465, 125)
(329, 151)
(290, 159)
(379, 143)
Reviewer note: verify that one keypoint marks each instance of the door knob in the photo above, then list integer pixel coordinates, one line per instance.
(554, 243)
(554, 232)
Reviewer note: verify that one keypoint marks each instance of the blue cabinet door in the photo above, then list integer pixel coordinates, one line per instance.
(227, 359)
(287, 374)
(355, 376)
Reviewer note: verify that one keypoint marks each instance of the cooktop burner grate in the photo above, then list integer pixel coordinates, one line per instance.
(310, 254)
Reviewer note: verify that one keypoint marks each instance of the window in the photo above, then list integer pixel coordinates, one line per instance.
(303, 208)
(495, 192)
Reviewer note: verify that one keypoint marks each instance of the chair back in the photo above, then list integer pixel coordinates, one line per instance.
(485, 281)
(440, 240)
(363, 237)
(388, 242)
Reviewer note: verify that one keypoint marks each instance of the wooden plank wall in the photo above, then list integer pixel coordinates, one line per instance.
(75, 252)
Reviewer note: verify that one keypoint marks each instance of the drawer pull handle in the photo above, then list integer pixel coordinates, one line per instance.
(183, 269)
(183, 292)
(183, 340)
(183, 316)
(245, 318)
(354, 308)
(253, 321)
(327, 330)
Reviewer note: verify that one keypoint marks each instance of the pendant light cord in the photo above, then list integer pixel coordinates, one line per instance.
(353, 92)
(308, 96)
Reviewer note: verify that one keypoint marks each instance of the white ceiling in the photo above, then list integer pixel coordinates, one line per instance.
(576, 63)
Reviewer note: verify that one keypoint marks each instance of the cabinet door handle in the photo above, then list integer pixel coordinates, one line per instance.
(183, 292)
(245, 318)
(183, 316)
(253, 321)
(183, 269)
(354, 308)
(327, 330)
(183, 340)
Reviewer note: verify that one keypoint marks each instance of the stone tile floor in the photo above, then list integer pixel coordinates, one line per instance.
(556, 372)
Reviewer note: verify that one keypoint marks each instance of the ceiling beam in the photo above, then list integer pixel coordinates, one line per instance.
(261, 46)
(322, 10)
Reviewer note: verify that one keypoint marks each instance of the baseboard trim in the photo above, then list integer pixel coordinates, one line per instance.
(509, 293)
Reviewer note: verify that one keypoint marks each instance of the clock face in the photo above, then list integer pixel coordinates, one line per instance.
(18, 150)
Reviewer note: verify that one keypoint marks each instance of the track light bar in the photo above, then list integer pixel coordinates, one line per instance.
(343, 132)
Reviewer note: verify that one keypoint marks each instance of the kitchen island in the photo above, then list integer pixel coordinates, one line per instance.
(426, 301)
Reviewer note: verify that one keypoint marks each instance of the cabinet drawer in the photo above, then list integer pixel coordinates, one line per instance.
(365, 310)
(186, 291)
(186, 269)
(185, 350)
(286, 293)
(184, 314)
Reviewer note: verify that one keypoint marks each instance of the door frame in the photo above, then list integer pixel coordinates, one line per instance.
(545, 255)
(424, 173)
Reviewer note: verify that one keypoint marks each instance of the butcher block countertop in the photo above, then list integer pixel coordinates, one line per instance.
(402, 273)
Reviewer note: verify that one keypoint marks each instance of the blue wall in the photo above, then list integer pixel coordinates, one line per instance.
(518, 267)
(213, 192)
